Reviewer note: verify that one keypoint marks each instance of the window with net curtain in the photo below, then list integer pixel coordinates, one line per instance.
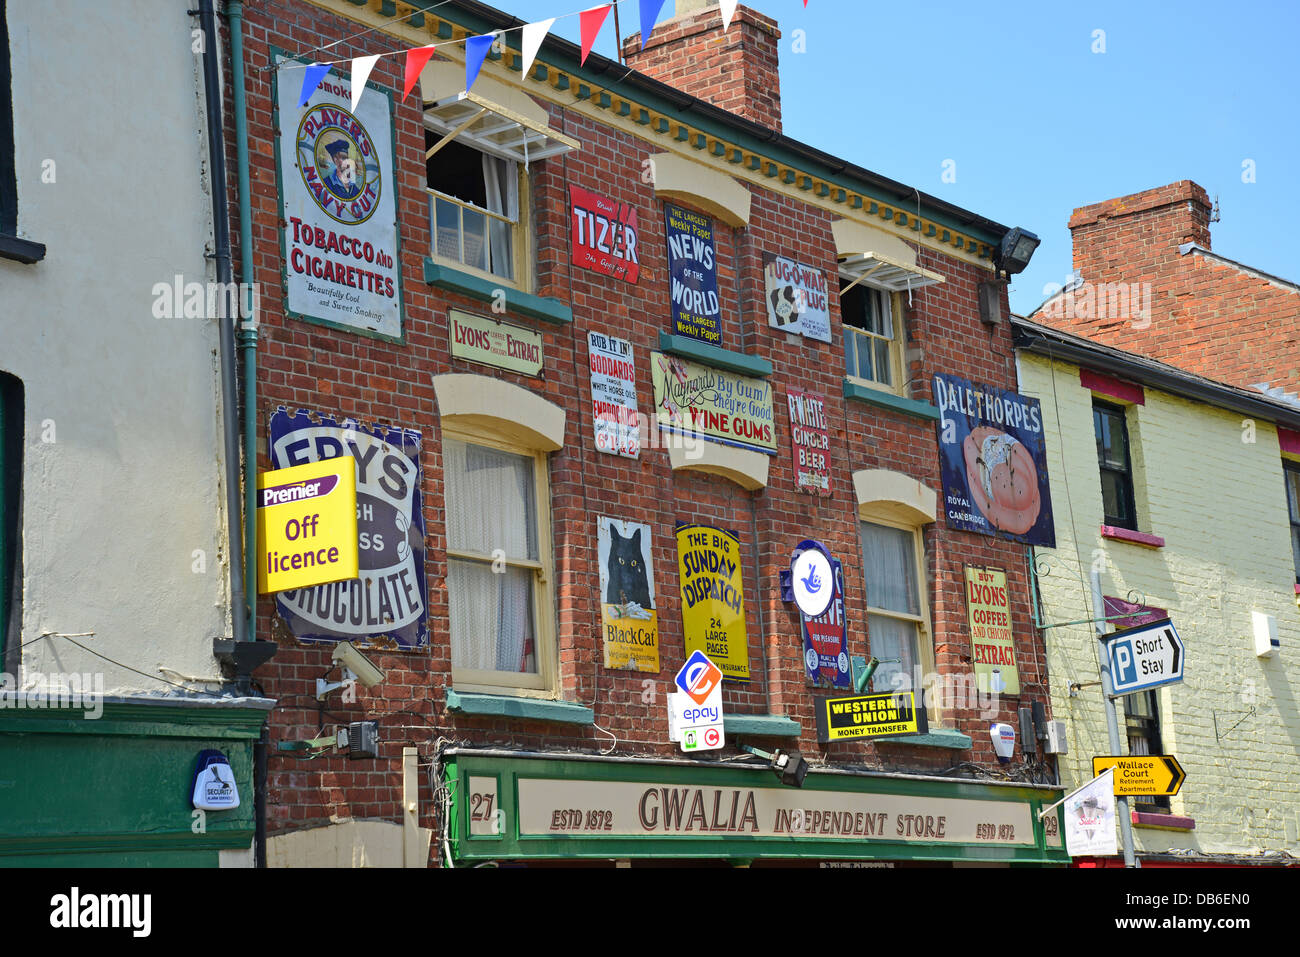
(474, 206)
(491, 505)
(894, 618)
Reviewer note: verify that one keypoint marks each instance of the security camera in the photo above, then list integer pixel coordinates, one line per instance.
(356, 667)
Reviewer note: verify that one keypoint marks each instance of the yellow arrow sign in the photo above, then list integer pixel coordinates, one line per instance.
(1158, 775)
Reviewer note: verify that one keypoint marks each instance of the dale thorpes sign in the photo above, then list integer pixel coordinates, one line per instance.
(337, 198)
(994, 459)
(385, 605)
(693, 275)
(603, 235)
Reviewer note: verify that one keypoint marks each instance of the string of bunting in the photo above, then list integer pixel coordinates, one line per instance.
(590, 22)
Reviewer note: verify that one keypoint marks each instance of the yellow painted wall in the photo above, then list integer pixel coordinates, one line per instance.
(1211, 485)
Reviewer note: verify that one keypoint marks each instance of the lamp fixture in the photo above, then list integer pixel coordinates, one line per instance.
(789, 766)
(1016, 250)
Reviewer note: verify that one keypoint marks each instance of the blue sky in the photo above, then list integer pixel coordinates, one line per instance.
(1035, 122)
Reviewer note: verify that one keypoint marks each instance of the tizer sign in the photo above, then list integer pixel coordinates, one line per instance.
(1144, 657)
(307, 525)
(870, 716)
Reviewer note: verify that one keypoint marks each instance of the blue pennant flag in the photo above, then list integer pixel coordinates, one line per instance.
(649, 14)
(476, 50)
(311, 79)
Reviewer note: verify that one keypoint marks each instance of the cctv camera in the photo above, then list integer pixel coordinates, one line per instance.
(358, 664)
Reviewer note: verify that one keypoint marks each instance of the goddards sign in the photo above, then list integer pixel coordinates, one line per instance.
(385, 605)
(337, 205)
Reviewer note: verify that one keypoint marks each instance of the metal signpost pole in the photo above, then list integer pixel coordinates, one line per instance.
(1112, 720)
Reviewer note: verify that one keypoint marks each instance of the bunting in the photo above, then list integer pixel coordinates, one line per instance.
(728, 11)
(534, 34)
(311, 79)
(415, 61)
(649, 15)
(476, 51)
(361, 67)
(590, 22)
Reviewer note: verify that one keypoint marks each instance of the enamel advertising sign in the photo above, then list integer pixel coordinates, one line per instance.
(720, 406)
(993, 650)
(339, 239)
(713, 597)
(307, 525)
(810, 442)
(796, 298)
(385, 604)
(613, 395)
(993, 453)
(604, 235)
(628, 619)
(493, 343)
(693, 275)
(817, 586)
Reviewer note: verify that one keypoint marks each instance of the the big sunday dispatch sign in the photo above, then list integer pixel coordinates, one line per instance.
(385, 605)
(338, 235)
(711, 577)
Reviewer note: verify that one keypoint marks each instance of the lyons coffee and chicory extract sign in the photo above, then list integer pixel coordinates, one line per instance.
(693, 275)
(796, 298)
(338, 232)
(629, 622)
(993, 453)
(713, 597)
(385, 604)
(993, 651)
(810, 443)
(613, 395)
(307, 525)
(603, 235)
(493, 343)
(720, 406)
(870, 716)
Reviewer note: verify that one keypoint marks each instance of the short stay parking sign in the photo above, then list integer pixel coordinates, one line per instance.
(1144, 657)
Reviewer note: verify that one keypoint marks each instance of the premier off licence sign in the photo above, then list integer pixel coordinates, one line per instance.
(307, 525)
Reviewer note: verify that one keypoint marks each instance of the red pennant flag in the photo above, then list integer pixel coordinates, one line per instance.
(591, 21)
(415, 61)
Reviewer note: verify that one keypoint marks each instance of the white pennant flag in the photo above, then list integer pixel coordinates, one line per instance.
(728, 11)
(361, 67)
(534, 34)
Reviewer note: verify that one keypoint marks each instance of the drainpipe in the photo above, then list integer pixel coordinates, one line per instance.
(229, 389)
(248, 329)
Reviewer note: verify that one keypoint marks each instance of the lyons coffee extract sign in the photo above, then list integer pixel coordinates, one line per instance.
(307, 525)
(494, 343)
(993, 651)
(720, 406)
(870, 716)
(613, 395)
(385, 604)
(810, 443)
(796, 298)
(338, 204)
(693, 275)
(603, 235)
(993, 454)
(713, 597)
(629, 622)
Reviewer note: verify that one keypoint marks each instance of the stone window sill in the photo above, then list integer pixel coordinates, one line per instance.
(1163, 822)
(21, 250)
(887, 400)
(743, 363)
(531, 709)
(1135, 538)
(476, 287)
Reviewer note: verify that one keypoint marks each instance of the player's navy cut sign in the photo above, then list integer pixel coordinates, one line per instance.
(1145, 657)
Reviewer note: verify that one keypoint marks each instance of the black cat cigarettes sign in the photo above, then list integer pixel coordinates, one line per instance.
(628, 619)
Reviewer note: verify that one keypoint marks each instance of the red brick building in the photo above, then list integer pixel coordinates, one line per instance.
(530, 214)
(1151, 285)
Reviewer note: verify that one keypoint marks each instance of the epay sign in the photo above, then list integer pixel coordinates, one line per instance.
(1144, 657)
(699, 677)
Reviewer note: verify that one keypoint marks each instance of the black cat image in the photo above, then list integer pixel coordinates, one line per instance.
(627, 577)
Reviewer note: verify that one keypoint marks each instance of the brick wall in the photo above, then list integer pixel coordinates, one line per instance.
(735, 70)
(305, 365)
(1203, 315)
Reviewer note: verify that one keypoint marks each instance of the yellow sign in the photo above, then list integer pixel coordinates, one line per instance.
(307, 525)
(993, 650)
(870, 716)
(1158, 775)
(628, 618)
(713, 597)
(494, 343)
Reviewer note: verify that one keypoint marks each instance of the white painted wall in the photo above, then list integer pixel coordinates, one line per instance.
(116, 505)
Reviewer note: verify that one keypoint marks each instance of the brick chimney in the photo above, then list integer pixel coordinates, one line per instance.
(1120, 238)
(735, 70)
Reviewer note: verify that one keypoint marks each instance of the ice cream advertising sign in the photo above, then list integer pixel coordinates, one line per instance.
(338, 225)
(993, 453)
(385, 604)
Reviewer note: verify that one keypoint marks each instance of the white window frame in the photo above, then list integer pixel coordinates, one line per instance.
(896, 387)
